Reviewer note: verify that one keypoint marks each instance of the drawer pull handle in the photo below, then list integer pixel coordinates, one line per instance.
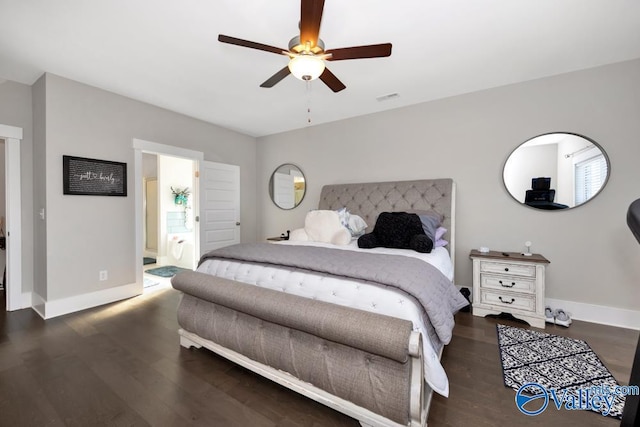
(507, 285)
(506, 269)
(507, 302)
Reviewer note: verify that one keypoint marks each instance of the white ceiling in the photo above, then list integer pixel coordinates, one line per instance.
(166, 52)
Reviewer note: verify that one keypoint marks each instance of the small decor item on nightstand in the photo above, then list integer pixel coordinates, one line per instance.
(285, 236)
(528, 251)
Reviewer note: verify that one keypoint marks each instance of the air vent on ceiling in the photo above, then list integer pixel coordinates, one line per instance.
(387, 97)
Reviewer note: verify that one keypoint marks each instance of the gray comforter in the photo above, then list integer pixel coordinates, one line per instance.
(438, 296)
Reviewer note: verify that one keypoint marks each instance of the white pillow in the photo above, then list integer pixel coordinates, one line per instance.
(322, 226)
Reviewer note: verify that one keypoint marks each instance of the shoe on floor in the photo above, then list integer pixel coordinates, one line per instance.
(562, 318)
(548, 315)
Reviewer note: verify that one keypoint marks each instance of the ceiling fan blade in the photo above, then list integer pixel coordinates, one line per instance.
(331, 80)
(246, 43)
(273, 80)
(310, 17)
(357, 52)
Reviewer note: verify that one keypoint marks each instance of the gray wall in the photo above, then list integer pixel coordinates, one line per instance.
(594, 258)
(16, 110)
(39, 191)
(90, 233)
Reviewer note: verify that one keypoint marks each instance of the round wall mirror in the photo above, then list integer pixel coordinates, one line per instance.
(287, 186)
(557, 170)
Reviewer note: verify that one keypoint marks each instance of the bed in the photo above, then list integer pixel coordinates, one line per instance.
(326, 321)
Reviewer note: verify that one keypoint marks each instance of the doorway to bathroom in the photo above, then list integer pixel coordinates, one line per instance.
(169, 227)
(198, 208)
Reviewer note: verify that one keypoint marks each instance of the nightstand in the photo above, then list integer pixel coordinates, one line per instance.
(509, 282)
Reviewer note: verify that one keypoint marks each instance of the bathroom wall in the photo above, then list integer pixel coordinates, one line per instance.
(176, 223)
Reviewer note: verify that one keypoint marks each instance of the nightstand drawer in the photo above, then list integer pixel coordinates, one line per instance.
(508, 283)
(509, 301)
(523, 270)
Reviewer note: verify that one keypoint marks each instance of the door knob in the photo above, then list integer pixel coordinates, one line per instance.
(238, 223)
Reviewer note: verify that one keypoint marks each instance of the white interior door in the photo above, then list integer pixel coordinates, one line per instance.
(284, 190)
(219, 188)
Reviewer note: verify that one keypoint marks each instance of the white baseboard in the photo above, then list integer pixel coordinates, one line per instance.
(598, 313)
(25, 300)
(72, 304)
(593, 313)
(37, 304)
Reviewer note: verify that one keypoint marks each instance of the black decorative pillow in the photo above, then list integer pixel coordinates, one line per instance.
(400, 230)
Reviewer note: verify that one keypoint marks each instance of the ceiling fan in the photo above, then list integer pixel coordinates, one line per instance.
(307, 53)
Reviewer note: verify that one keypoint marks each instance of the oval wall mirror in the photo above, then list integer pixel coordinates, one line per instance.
(559, 170)
(287, 186)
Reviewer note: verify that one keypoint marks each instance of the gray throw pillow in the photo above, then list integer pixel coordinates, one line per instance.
(430, 223)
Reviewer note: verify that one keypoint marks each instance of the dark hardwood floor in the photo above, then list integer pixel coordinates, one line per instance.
(122, 365)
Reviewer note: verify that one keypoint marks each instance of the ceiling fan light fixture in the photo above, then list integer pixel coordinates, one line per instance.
(307, 51)
(306, 66)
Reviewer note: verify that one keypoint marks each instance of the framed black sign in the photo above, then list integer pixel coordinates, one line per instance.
(92, 177)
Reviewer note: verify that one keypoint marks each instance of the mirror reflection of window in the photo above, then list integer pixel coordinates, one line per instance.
(590, 174)
(578, 169)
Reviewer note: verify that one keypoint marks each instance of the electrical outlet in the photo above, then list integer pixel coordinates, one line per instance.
(102, 275)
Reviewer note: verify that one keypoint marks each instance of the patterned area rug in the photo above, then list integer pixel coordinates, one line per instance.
(166, 271)
(558, 363)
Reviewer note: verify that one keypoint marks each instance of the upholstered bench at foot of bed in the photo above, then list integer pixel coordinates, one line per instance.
(366, 365)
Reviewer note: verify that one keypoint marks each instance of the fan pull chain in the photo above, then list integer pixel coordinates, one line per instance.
(308, 83)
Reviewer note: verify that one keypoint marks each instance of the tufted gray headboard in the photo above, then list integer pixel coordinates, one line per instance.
(370, 199)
